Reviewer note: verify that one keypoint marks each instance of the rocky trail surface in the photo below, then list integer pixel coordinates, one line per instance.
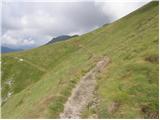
(83, 93)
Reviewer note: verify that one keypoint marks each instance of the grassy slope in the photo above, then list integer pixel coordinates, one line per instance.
(43, 81)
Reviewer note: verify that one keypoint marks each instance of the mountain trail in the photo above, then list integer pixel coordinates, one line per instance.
(30, 63)
(83, 93)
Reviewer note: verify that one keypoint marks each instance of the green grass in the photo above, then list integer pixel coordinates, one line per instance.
(46, 77)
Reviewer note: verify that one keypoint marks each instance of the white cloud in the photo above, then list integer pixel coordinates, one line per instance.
(13, 41)
(35, 23)
(119, 9)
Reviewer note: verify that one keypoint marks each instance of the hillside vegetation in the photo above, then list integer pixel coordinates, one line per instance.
(36, 83)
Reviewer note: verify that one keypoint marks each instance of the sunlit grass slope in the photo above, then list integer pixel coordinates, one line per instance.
(36, 83)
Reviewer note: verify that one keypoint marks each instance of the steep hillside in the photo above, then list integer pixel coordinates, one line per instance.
(38, 82)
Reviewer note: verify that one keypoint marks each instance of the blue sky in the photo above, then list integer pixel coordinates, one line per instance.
(31, 23)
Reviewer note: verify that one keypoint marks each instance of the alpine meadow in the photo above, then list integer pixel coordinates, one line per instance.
(110, 72)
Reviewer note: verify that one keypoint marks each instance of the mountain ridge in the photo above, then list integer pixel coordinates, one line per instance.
(7, 49)
(61, 38)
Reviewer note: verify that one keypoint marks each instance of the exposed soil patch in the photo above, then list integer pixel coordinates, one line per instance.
(148, 114)
(113, 107)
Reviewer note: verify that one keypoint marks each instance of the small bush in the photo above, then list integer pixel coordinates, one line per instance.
(152, 58)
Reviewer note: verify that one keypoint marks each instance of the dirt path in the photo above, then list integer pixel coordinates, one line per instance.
(82, 94)
(30, 63)
(36, 66)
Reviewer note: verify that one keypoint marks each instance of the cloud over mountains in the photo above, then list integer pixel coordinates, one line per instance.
(26, 24)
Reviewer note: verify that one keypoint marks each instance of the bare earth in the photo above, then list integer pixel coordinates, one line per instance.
(83, 93)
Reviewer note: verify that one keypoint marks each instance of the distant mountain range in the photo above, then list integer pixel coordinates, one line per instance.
(61, 38)
(6, 49)
(57, 39)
